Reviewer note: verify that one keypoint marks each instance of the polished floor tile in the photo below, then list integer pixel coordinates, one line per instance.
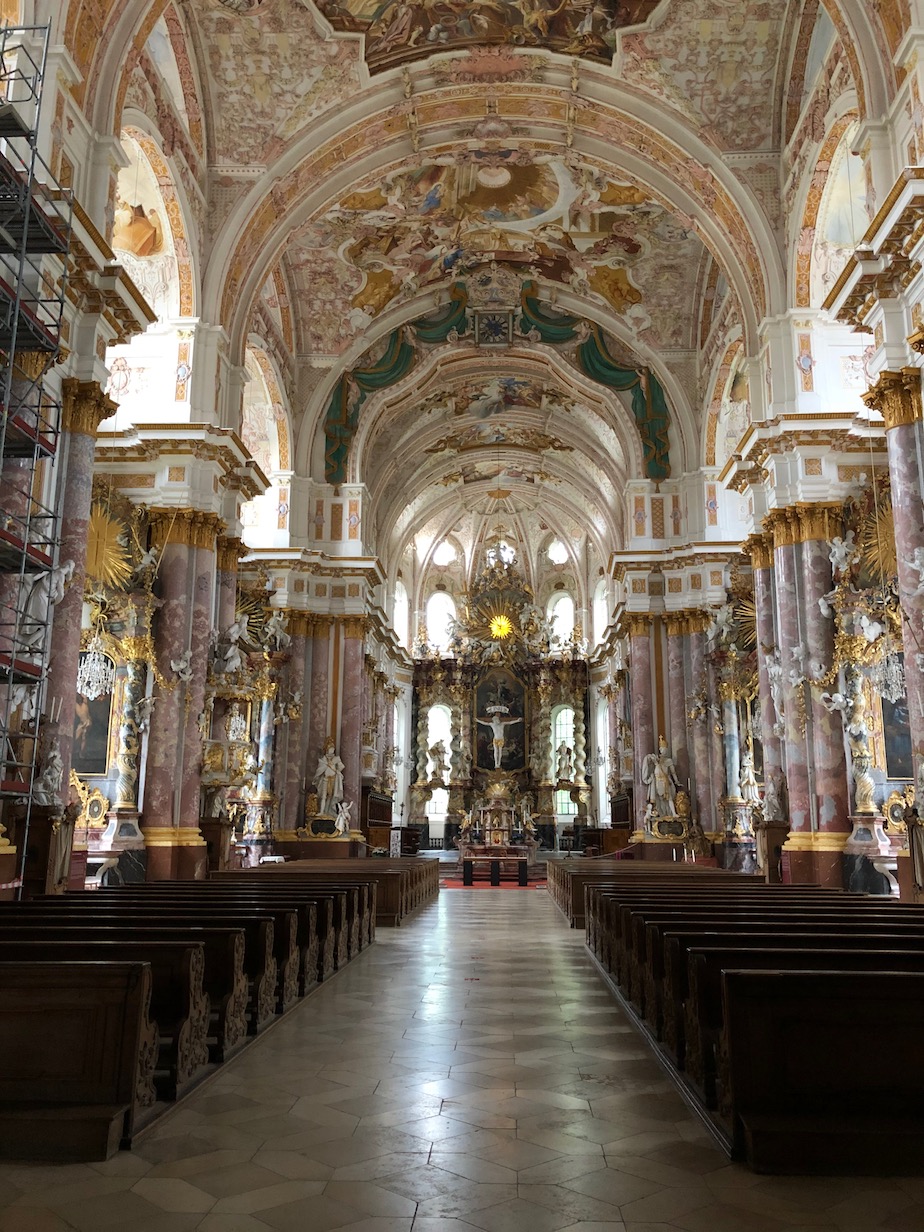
(468, 1073)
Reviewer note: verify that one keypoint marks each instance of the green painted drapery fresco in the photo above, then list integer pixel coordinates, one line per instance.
(351, 391)
(649, 404)
(400, 356)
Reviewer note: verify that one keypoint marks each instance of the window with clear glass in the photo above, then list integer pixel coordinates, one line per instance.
(601, 612)
(561, 616)
(439, 728)
(444, 553)
(441, 612)
(401, 617)
(562, 734)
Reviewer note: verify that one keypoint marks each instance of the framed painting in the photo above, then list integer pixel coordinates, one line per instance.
(500, 722)
(92, 720)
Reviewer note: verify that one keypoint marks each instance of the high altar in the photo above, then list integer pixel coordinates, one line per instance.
(503, 677)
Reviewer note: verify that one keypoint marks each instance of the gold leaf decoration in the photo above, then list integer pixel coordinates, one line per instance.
(501, 626)
(877, 541)
(108, 559)
(745, 613)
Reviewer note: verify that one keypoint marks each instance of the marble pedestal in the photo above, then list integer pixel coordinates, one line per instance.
(737, 855)
(123, 841)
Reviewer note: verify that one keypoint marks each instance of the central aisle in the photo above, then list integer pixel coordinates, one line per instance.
(469, 1070)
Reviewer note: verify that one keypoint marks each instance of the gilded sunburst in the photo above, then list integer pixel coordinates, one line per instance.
(108, 559)
(501, 627)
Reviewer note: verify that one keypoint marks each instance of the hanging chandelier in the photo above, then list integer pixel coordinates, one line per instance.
(96, 671)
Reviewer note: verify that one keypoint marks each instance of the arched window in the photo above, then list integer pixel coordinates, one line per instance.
(601, 611)
(440, 612)
(439, 727)
(562, 734)
(400, 615)
(561, 616)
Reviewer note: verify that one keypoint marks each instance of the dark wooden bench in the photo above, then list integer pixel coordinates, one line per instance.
(224, 979)
(707, 963)
(179, 1005)
(79, 1048)
(802, 1087)
(259, 937)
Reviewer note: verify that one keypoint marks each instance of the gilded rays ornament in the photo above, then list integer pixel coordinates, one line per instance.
(108, 559)
(501, 628)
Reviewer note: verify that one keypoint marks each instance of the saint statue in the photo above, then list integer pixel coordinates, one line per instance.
(564, 771)
(660, 777)
(497, 725)
(437, 754)
(747, 779)
(328, 778)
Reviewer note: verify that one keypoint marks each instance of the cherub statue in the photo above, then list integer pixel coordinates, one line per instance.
(842, 554)
(343, 819)
(233, 658)
(183, 666)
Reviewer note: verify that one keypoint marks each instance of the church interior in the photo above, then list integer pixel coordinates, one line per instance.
(478, 443)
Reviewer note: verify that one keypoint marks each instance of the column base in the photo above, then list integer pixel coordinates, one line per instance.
(814, 859)
(737, 855)
(174, 854)
(868, 837)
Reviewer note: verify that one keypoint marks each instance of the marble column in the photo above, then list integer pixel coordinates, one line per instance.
(677, 634)
(761, 551)
(84, 407)
(704, 801)
(351, 711)
(186, 577)
(897, 395)
(291, 814)
(829, 780)
(783, 524)
(643, 736)
(227, 558)
(260, 814)
(318, 700)
(715, 735)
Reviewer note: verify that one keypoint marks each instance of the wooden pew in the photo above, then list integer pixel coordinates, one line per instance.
(224, 978)
(80, 1051)
(801, 1091)
(707, 963)
(179, 1005)
(259, 937)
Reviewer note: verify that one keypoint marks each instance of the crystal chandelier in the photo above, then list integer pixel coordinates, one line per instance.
(96, 672)
(889, 676)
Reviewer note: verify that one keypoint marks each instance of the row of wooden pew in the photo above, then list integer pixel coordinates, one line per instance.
(793, 1015)
(403, 886)
(115, 1003)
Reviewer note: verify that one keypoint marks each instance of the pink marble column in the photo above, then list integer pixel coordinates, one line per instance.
(762, 559)
(898, 396)
(640, 684)
(676, 646)
(829, 775)
(170, 813)
(228, 554)
(317, 705)
(798, 851)
(291, 816)
(704, 801)
(715, 737)
(352, 709)
(84, 407)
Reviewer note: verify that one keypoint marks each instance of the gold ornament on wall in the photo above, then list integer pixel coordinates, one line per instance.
(108, 559)
(877, 541)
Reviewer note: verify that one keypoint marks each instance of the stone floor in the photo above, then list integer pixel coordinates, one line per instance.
(469, 1071)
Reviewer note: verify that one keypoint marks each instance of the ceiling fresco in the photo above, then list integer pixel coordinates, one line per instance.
(566, 224)
(397, 31)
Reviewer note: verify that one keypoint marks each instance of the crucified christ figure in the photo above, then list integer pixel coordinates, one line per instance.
(497, 725)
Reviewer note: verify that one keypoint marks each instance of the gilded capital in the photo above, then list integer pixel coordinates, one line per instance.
(354, 626)
(230, 550)
(760, 549)
(897, 397)
(782, 525)
(819, 521)
(84, 406)
(299, 623)
(192, 527)
(677, 624)
(638, 624)
(699, 622)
